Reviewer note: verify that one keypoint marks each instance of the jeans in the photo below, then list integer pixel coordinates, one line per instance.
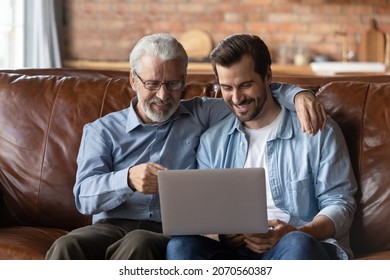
(293, 246)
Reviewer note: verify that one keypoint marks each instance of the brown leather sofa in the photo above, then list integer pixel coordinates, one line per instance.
(42, 113)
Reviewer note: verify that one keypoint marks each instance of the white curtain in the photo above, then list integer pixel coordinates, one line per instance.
(45, 37)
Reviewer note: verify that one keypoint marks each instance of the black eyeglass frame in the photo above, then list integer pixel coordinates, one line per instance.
(170, 85)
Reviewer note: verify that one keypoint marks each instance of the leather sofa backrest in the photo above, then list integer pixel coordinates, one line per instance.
(41, 121)
(363, 112)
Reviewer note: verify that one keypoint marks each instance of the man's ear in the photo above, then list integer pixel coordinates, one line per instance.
(132, 80)
(268, 76)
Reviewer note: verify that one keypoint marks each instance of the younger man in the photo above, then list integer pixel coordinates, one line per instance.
(310, 183)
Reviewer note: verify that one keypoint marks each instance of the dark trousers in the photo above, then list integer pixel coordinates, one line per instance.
(115, 239)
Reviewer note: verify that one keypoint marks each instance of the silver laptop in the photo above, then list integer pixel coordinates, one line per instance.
(213, 201)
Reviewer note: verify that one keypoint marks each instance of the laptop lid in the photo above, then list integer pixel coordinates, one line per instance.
(213, 201)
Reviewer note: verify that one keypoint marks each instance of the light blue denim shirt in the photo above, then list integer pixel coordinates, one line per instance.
(309, 175)
(120, 140)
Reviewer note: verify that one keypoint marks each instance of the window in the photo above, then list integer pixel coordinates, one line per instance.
(12, 34)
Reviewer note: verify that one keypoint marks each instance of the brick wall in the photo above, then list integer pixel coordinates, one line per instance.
(106, 30)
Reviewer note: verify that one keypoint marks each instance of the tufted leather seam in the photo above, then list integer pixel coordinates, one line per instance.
(48, 130)
(104, 97)
(362, 134)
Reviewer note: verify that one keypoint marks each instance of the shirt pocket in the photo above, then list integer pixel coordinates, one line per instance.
(191, 143)
(181, 154)
(302, 199)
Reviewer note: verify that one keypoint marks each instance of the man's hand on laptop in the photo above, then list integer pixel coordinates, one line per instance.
(143, 177)
(261, 242)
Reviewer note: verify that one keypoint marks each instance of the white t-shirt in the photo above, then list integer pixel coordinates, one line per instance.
(256, 158)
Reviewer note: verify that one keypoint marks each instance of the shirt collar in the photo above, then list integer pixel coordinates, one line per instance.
(237, 125)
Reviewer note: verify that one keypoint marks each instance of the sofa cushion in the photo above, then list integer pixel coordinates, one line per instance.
(27, 243)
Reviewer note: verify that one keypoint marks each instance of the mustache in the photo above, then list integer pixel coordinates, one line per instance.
(243, 102)
(160, 102)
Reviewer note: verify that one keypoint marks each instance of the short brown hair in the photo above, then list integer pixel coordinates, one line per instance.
(231, 49)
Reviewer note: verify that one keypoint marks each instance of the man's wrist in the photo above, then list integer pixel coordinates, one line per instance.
(129, 184)
(306, 91)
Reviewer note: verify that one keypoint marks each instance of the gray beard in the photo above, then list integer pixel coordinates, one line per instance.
(158, 117)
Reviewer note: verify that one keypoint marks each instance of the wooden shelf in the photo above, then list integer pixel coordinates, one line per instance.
(202, 68)
(101, 65)
(193, 67)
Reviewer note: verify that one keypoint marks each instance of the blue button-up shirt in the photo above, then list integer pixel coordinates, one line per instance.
(120, 140)
(308, 175)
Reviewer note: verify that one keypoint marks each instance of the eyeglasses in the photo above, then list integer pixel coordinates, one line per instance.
(156, 85)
